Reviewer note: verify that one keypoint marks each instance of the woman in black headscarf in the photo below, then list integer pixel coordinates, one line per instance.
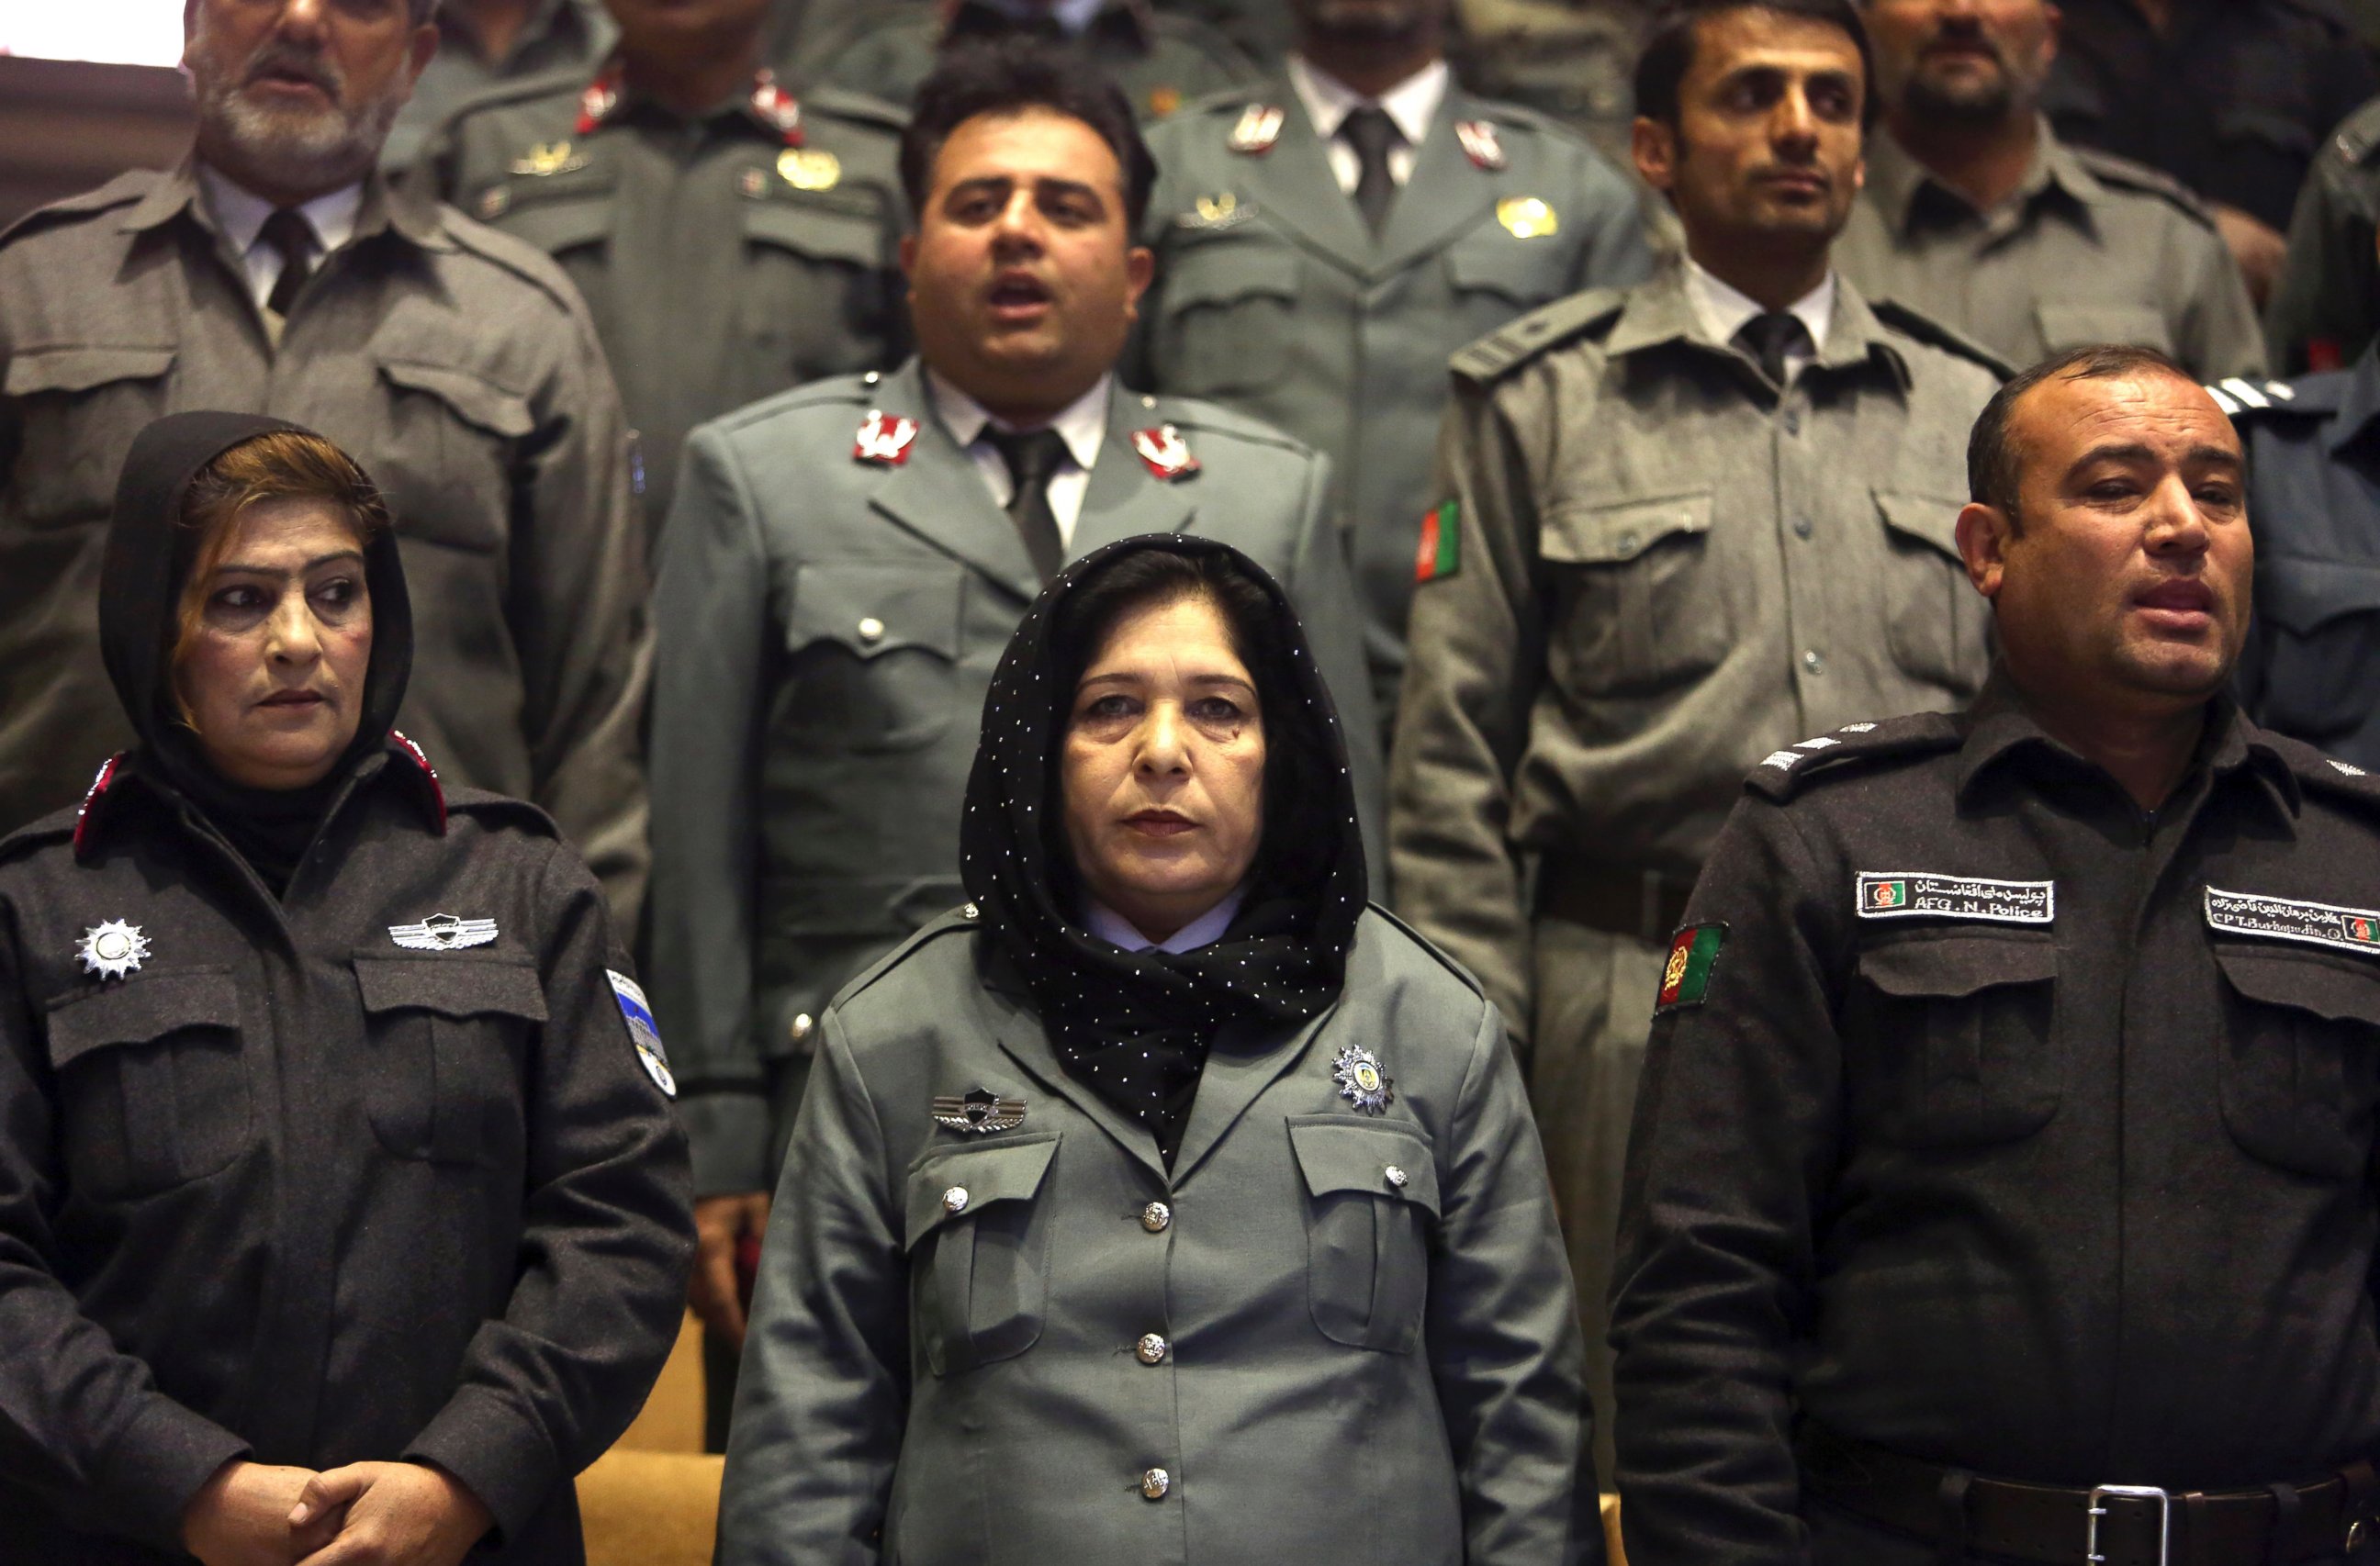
(1166, 1202)
(342, 1217)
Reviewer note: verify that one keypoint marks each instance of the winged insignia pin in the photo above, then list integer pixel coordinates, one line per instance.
(442, 933)
(980, 1111)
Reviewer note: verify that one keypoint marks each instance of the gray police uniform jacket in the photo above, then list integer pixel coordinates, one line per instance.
(566, 36)
(721, 262)
(2090, 249)
(829, 629)
(1272, 297)
(456, 365)
(1325, 1336)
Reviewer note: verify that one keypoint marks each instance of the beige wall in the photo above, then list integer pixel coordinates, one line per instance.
(67, 126)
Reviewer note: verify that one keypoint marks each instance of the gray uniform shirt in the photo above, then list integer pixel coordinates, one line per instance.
(721, 265)
(1272, 297)
(2091, 249)
(2326, 304)
(1665, 571)
(1363, 1343)
(567, 36)
(456, 364)
(829, 629)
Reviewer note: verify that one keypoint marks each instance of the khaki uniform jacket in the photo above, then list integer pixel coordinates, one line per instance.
(2091, 249)
(1355, 1333)
(720, 265)
(456, 364)
(829, 629)
(1272, 297)
(1667, 571)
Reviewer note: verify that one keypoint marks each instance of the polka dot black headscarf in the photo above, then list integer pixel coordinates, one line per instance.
(1136, 1026)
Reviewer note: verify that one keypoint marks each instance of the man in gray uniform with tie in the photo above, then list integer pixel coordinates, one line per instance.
(1327, 237)
(846, 562)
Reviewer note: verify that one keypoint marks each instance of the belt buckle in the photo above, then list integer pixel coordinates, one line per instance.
(2099, 1494)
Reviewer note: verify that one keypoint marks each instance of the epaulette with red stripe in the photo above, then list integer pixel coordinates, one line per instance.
(421, 769)
(86, 817)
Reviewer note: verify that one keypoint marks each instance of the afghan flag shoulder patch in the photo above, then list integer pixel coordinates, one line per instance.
(1442, 543)
(1685, 978)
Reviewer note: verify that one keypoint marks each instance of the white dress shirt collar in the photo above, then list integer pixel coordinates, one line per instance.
(1723, 311)
(1082, 425)
(1204, 931)
(1411, 104)
(240, 214)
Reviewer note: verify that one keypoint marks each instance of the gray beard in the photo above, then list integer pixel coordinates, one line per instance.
(320, 151)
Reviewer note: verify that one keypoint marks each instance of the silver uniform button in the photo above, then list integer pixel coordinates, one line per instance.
(1151, 1349)
(970, 911)
(801, 1027)
(954, 1200)
(1154, 1483)
(1156, 1218)
(1396, 1177)
(872, 629)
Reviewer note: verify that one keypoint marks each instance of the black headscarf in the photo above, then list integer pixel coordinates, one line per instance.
(148, 560)
(1136, 1026)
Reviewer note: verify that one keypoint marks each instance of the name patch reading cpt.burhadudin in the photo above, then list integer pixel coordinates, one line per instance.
(1919, 894)
(643, 1032)
(2278, 919)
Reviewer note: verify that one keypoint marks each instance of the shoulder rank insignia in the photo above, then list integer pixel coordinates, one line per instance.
(112, 949)
(884, 441)
(1361, 1081)
(1685, 978)
(1259, 129)
(548, 158)
(2280, 919)
(1480, 143)
(1166, 452)
(1917, 895)
(644, 1033)
(442, 933)
(810, 168)
(2236, 395)
(1527, 217)
(979, 1110)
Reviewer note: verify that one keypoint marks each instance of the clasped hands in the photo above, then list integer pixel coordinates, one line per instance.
(364, 1514)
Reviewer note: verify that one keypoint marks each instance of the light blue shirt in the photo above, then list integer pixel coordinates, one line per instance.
(1204, 931)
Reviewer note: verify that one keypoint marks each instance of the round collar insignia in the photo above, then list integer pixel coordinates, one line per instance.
(113, 950)
(1362, 1082)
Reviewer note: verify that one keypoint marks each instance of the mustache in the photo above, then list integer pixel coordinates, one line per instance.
(1968, 34)
(312, 65)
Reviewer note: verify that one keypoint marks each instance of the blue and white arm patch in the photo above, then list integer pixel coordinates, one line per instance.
(643, 1031)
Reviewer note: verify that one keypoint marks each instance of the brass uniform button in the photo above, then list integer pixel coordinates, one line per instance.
(1157, 1217)
(1151, 1349)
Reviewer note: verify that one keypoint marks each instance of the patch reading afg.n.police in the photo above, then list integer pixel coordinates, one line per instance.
(643, 1032)
(1912, 895)
(2280, 919)
(1685, 978)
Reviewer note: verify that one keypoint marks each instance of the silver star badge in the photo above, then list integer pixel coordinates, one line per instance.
(1362, 1082)
(442, 933)
(113, 950)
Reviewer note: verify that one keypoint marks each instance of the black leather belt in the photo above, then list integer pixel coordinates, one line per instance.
(2117, 1524)
(1649, 905)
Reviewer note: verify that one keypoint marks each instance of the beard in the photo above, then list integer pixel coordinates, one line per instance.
(1369, 21)
(1968, 102)
(301, 149)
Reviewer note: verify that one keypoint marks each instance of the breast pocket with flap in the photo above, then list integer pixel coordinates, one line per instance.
(80, 406)
(874, 646)
(1226, 323)
(447, 458)
(2300, 1060)
(152, 1082)
(1371, 1218)
(1939, 626)
(449, 1039)
(1639, 608)
(1951, 1039)
(978, 1238)
(2322, 620)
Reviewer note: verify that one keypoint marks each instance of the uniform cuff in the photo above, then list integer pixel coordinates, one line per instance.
(157, 1465)
(499, 1456)
(727, 1135)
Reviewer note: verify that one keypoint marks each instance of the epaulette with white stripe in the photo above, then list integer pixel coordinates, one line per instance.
(1782, 774)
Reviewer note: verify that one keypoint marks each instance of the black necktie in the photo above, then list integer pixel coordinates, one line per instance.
(1372, 134)
(1768, 337)
(1032, 457)
(288, 232)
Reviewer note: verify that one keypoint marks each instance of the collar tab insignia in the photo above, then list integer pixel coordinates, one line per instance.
(2281, 919)
(1527, 217)
(1919, 894)
(644, 1033)
(597, 101)
(884, 441)
(1482, 146)
(979, 1110)
(778, 109)
(1167, 454)
(1362, 1082)
(91, 797)
(1685, 978)
(113, 950)
(442, 933)
(1259, 127)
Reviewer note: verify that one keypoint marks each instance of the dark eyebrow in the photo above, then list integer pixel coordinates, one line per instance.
(1042, 187)
(275, 573)
(2133, 452)
(1127, 676)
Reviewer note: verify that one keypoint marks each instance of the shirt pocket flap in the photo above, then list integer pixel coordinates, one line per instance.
(1927, 519)
(948, 1183)
(2070, 326)
(1339, 1154)
(451, 987)
(875, 607)
(2341, 988)
(1608, 533)
(1950, 967)
(584, 217)
(477, 402)
(1523, 269)
(1220, 274)
(33, 370)
(139, 1010)
(808, 231)
(2301, 595)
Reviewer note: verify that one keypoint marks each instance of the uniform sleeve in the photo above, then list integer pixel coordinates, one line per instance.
(606, 1238)
(1474, 657)
(578, 608)
(81, 1424)
(1324, 592)
(821, 1399)
(2329, 288)
(1729, 1159)
(712, 614)
(2218, 333)
(1503, 1335)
